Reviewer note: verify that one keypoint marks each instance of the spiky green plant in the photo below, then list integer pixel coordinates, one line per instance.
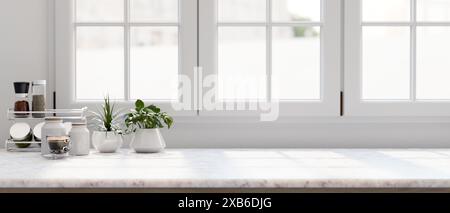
(107, 119)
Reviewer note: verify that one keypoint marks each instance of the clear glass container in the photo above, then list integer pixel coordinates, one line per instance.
(21, 104)
(59, 147)
(55, 140)
(39, 93)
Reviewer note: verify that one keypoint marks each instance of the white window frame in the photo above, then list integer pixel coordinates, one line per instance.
(354, 104)
(330, 24)
(333, 54)
(65, 27)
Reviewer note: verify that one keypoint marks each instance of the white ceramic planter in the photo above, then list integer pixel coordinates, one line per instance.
(106, 142)
(148, 141)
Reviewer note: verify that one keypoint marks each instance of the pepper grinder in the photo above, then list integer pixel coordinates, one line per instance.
(38, 102)
(21, 101)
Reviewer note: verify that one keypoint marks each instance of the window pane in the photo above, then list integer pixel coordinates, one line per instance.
(154, 63)
(296, 63)
(99, 10)
(99, 62)
(433, 10)
(296, 10)
(154, 10)
(433, 73)
(242, 63)
(386, 63)
(386, 10)
(242, 10)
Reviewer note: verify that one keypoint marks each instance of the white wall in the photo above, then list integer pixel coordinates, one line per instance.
(23, 49)
(24, 56)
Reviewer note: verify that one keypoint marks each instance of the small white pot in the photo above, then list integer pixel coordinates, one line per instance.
(106, 142)
(148, 141)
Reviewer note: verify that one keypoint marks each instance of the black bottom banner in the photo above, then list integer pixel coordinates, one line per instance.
(225, 202)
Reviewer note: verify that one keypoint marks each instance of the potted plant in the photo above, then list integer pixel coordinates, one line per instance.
(146, 122)
(107, 137)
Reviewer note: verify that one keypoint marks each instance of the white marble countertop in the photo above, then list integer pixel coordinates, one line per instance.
(233, 168)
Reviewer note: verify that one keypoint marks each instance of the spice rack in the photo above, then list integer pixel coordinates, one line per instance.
(67, 115)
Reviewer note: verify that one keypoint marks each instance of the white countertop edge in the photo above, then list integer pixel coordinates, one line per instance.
(232, 169)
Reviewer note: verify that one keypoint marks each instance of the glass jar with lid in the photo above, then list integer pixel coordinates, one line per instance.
(55, 140)
(39, 91)
(21, 103)
(80, 138)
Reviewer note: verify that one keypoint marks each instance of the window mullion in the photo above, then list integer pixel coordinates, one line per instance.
(269, 49)
(413, 49)
(127, 50)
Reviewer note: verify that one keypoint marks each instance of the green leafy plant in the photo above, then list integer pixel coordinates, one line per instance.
(107, 119)
(147, 117)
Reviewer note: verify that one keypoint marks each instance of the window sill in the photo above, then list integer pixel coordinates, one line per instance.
(318, 119)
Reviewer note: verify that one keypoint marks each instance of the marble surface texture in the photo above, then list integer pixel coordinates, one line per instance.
(232, 168)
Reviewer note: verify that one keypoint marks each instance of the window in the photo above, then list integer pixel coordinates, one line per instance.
(390, 60)
(260, 51)
(137, 39)
(127, 49)
(273, 50)
(396, 62)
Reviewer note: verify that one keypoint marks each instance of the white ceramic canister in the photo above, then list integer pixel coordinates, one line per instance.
(80, 139)
(53, 127)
